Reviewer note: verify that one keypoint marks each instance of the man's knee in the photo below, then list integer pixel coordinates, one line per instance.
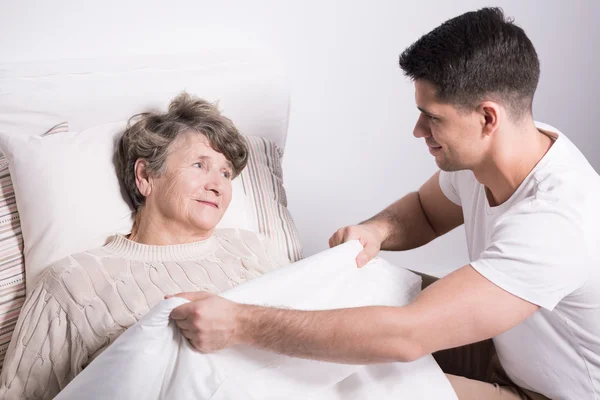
(470, 389)
(426, 279)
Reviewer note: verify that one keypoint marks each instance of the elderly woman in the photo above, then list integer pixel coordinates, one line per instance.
(177, 168)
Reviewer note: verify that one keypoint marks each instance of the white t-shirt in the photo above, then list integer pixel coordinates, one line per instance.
(543, 245)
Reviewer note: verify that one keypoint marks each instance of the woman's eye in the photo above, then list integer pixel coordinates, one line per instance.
(226, 174)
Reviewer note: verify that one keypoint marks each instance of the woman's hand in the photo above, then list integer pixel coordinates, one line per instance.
(209, 322)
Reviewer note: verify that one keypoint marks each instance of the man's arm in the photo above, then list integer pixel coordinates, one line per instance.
(461, 308)
(411, 222)
(418, 218)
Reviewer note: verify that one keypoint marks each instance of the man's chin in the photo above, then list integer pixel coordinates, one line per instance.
(448, 166)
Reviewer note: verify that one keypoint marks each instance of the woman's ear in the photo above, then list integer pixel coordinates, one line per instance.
(142, 177)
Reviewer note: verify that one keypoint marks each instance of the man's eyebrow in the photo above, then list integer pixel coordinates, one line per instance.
(424, 111)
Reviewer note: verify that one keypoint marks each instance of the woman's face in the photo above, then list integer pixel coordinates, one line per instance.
(194, 189)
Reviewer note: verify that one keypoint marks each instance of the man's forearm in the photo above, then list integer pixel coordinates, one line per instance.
(362, 335)
(403, 225)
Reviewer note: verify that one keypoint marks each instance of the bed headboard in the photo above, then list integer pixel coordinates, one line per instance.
(250, 85)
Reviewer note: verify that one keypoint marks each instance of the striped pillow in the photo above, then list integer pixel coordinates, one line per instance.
(262, 180)
(12, 269)
(263, 183)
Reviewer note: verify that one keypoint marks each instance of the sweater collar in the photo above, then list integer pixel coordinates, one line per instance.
(128, 249)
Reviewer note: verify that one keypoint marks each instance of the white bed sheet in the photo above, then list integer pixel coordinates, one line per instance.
(153, 361)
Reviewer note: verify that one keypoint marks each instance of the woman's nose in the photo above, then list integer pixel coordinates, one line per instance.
(214, 183)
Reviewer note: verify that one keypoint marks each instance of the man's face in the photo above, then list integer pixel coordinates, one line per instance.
(454, 137)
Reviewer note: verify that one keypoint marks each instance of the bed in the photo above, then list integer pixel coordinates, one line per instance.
(54, 97)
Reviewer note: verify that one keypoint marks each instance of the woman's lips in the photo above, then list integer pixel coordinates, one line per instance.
(208, 203)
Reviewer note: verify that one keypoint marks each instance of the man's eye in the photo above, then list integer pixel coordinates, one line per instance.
(198, 165)
(227, 174)
(432, 118)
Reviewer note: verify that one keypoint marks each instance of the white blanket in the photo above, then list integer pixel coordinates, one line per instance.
(153, 361)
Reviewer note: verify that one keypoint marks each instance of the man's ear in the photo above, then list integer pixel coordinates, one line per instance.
(491, 116)
(143, 180)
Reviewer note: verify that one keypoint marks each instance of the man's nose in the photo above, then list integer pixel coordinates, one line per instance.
(421, 129)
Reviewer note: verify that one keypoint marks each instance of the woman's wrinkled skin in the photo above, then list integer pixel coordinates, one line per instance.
(185, 202)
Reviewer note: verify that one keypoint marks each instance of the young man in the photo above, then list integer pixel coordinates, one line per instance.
(529, 202)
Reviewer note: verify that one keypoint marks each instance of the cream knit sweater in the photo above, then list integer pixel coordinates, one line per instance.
(84, 302)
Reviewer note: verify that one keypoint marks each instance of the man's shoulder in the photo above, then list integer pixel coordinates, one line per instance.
(565, 161)
(567, 186)
(564, 180)
(560, 212)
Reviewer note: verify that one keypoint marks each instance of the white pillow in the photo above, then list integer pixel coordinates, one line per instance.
(69, 197)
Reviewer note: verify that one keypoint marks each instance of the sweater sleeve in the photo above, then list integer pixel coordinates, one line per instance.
(45, 353)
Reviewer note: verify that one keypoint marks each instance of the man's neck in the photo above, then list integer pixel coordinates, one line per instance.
(517, 154)
(151, 229)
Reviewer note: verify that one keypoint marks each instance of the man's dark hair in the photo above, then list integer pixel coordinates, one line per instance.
(477, 56)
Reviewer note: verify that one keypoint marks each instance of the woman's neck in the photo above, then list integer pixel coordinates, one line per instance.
(157, 232)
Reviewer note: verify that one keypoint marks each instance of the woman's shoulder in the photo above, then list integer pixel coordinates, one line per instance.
(244, 243)
(70, 265)
(242, 238)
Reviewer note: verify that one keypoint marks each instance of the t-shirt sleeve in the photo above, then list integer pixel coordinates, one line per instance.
(537, 252)
(449, 187)
(45, 352)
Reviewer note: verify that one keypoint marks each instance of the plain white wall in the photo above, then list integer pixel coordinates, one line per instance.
(350, 148)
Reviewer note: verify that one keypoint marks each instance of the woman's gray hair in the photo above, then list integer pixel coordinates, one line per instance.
(149, 135)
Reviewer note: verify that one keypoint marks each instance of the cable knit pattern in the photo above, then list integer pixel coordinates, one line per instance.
(83, 303)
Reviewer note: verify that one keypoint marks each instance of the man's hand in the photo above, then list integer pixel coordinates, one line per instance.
(209, 322)
(369, 237)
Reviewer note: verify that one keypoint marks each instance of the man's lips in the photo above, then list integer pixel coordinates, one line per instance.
(434, 149)
(208, 203)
